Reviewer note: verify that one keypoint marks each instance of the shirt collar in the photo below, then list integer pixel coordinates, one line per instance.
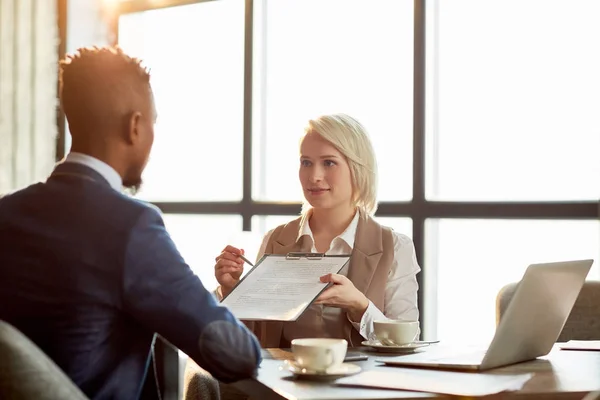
(112, 177)
(347, 236)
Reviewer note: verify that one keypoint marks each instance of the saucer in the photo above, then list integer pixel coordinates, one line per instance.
(403, 348)
(345, 369)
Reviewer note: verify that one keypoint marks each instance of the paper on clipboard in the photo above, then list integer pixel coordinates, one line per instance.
(281, 287)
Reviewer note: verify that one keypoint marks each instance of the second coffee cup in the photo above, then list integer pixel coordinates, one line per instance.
(394, 332)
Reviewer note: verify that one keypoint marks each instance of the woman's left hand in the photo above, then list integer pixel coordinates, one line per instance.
(343, 294)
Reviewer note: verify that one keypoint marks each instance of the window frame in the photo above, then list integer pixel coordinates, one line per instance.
(419, 209)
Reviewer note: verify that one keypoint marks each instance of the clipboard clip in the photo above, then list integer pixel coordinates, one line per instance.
(308, 256)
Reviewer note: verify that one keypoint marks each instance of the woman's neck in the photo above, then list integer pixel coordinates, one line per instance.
(331, 222)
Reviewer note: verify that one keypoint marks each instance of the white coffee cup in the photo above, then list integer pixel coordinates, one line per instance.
(395, 332)
(319, 354)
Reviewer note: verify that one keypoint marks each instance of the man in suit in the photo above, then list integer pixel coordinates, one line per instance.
(90, 274)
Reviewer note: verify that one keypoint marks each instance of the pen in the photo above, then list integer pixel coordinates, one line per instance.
(245, 259)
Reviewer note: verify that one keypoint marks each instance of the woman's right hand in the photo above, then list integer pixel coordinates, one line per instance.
(229, 268)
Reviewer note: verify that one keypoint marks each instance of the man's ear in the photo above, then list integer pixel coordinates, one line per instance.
(133, 127)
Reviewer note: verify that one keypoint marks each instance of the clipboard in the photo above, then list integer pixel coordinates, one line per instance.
(280, 287)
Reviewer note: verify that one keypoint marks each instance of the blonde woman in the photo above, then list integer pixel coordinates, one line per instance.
(338, 174)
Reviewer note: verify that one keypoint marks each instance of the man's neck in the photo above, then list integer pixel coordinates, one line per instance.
(101, 153)
(104, 169)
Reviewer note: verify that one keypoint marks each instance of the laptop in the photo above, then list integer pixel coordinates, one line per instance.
(528, 329)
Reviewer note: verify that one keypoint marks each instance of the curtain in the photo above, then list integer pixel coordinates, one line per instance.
(28, 90)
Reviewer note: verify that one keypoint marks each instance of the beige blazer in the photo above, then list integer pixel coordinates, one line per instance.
(370, 264)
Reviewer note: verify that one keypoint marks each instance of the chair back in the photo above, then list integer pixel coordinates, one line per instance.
(26, 372)
(583, 322)
(168, 369)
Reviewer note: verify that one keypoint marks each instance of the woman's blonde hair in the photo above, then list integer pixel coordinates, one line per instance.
(351, 139)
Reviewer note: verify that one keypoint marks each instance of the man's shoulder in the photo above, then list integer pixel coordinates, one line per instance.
(15, 195)
(141, 206)
(123, 204)
(114, 199)
(133, 202)
(106, 203)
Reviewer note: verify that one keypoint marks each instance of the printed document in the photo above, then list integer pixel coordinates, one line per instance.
(280, 288)
(593, 345)
(454, 383)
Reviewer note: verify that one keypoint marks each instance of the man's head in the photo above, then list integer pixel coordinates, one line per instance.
(107, 99)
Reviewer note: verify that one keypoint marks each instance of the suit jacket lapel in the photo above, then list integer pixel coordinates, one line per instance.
(288, 241)
(366, 253)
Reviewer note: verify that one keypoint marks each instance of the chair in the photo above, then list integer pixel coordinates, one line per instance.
(583, 322)
(199, 384)
(168, 366)
(27, 373)
(592, 395)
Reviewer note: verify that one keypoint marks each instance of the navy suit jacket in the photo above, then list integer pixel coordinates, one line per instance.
(90, 274)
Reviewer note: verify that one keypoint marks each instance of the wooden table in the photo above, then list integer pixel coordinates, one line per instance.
(559, 375)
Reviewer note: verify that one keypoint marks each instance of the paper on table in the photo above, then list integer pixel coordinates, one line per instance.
(581, 345)
(454, 383)
(281, 289)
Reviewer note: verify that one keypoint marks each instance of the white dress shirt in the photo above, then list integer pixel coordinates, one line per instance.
(401, 288)
(107, 172)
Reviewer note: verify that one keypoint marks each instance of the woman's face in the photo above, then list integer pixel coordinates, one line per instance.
(324, 174)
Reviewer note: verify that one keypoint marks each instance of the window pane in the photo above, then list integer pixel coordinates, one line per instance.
(261, 224)
(469, 261)
(513, 113)
(327, 56)
(201, 238)
(196, 56)
(401, 225)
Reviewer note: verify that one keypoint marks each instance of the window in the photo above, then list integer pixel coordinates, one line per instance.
(482, 114)
(317, 57)
(261, 224)
(201, 238)
(196, 55)
(514, 96)
(399, 225)
(510, 118)
(473, 259)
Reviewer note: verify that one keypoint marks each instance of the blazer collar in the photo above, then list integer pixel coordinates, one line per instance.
(347, 235)
(368, 238)
(108, 172)
(367, 252)
(69, 169)
(288, 239)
